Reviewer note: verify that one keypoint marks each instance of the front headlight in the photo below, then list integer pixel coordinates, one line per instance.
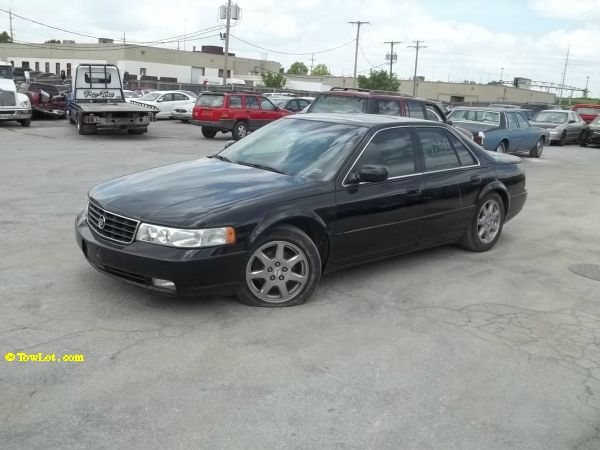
(554, 130)
(25, 104)
(185, 238)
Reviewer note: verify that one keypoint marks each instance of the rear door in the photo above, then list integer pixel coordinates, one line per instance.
(378, 218)
(269, 111)
(529, 136)
(514, 133)
(166, 104)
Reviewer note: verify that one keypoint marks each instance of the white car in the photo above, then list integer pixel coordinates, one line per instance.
(168, 101)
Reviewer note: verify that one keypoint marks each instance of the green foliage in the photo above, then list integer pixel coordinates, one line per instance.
(273, 80)
(5, 38)
(53, 41)
(320, 69)
(298, 68)
(379, 80)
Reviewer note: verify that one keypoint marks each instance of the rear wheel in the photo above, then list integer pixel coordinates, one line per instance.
(501, 148)
(209, 133)
(284, 269)
(537, 149)
(486, 226)
(25, 122)
(240, 130)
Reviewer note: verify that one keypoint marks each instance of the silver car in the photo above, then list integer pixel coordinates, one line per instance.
(564, 126)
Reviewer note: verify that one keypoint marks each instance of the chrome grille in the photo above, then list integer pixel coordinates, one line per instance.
(7, 98)
(115, 227)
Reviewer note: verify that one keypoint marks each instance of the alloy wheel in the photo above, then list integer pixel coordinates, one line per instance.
(277, 271)
(242, 130)
(501, 148)
(488, 221)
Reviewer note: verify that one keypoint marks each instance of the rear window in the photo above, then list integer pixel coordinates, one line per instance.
(588, 111)
(338, 104)
(210, 101)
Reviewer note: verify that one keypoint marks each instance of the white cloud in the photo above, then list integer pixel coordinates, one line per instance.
(583, 10)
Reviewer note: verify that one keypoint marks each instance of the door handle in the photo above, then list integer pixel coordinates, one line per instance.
(475, 179)
(414, 191)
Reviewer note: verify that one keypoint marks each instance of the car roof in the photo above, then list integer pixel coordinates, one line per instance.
(483, 108)
(359, 119)
(350, 92)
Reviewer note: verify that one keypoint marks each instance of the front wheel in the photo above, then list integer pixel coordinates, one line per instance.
(209, 133)
(537, 149)
(501, 148)
(25, 122)
(284, 269)
(240, 130)
(583, 139)
(486, 226)
(563, 139)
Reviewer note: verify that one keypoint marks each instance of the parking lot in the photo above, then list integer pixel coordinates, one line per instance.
(444, 349)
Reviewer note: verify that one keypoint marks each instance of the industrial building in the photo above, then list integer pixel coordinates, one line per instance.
(142, 62)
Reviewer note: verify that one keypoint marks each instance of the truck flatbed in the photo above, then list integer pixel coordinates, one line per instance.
(113, 107)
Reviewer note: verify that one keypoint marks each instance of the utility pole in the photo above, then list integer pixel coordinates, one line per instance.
(184, 34)
(312, 62)
(12, 36)
(562, 84)
(587, 80)
(392, 53)
(227, 26)
(358, 23)
(123, 37)
(417, 47)
(501, 74)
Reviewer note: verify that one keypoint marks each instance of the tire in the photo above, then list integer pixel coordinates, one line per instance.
(71, 120)
(185, 120)
(25, 122)
(489, 207)
(240, 130)
(137, 131)
(83, 129)
(261, 282)
(501, 148)
(209, 133)
(583, 139)
(537, 149)
(563, 138)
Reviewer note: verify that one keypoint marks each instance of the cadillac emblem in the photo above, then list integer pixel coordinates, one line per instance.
(101, 222)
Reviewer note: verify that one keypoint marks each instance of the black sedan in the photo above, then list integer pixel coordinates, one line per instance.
(303, 196)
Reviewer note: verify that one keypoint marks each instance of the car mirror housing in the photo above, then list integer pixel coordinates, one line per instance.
(572, 121)
(373, 173)
(449, 122)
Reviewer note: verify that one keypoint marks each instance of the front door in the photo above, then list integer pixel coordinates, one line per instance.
(375, 219)
(255, 116)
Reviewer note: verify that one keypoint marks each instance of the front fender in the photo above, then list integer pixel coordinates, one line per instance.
(282, 216)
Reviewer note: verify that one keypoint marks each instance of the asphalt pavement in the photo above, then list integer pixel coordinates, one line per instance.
(443, 349)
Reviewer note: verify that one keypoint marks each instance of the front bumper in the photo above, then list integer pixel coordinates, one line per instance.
(182, 115)
(207, 271)
(9, 113)
(224, 124)
(594, 138)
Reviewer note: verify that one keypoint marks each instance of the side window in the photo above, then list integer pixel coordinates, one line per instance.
(511, 121)
(415, 109)
(387, 107)
(293, 106)
(438, 151)
(166, 98)
(267, 105)
(252, 103)
(235, 101)
(464, 155)
(522, 121)
(180, 97)
(303, 104)
(430, 114)
(393, 148)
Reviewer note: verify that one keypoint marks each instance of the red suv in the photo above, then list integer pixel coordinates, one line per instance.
(587, 112)
(238, 112)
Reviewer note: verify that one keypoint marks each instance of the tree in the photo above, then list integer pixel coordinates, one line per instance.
(53, 41)
(5, 38)
(298, 68)
(273, 80)
(379, 80)
(320, 69)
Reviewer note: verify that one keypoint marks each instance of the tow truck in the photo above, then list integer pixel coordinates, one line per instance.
(13, 104)
(96, 102)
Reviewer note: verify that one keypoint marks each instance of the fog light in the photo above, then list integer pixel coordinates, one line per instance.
(163, 284)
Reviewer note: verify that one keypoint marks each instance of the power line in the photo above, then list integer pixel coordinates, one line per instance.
(358, 24)
(365, 56)
(290, 53)
(417, 47)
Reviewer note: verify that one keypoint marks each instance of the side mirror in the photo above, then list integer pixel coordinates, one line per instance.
(373, 173)
(449, 122)
(572, 121)
(228, 144)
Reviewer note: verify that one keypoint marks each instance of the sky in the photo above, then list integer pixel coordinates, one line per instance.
(465, 39)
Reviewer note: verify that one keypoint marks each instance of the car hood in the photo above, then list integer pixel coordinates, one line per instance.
(548, 125)
(473, 127)
(175, 194)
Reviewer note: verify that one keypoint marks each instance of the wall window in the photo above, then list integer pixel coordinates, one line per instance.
(142, 71)
(438, 151)
(68, 69)
(47, 67)
(25, 65)
(37, 66)
(221, 73)
(393, 148)
(57, 69)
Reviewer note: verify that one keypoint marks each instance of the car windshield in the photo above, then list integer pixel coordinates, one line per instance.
(280, 102)
(588, 111)
(6, 72)
(471, 115)
(150, 97)
(302, 148)
(211, 101)
(551, 117)
(338, 104)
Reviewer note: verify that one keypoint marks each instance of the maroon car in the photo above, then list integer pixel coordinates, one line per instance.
(47, 100)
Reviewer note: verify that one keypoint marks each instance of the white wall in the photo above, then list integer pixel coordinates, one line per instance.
(18, 62)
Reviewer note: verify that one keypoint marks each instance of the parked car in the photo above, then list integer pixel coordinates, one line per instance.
(350, 100)
(537, 107)
(294, 105)
(167, 101)
(587, 112)
(278, 94)
(564, 126)
(237, 112)
(184, 112)
(502, 130)
(593, 134)
(303, 196)
(47, 100)
(128, 95)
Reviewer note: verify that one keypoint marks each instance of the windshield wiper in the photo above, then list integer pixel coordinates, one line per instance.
(222, 158)
(260, 166)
